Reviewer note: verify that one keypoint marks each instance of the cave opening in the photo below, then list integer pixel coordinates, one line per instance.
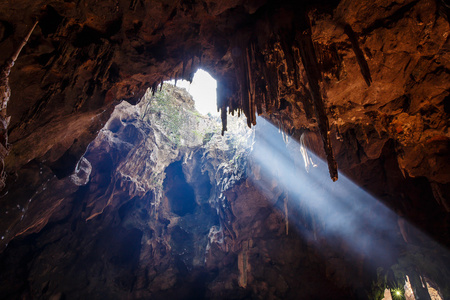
(203, 89)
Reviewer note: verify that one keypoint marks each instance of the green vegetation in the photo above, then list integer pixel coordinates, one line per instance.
(415, 262)
(390, 279)
(177, 118)
(155, 179)
(168, 113)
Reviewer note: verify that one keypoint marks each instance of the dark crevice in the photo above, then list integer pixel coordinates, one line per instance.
(447, 104)
(89, 35)
(50, 21)
(86, 37)
(179, 193)
(65, 165)
(6, 30)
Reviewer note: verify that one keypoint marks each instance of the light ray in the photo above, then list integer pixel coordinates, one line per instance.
(345, 212)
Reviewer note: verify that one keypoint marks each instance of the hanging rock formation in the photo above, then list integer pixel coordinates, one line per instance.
(5, 94)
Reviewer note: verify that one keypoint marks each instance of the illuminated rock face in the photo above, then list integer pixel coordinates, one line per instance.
(390, 137)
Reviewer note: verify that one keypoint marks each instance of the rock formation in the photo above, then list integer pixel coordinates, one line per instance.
(5, 94)
(364, 84)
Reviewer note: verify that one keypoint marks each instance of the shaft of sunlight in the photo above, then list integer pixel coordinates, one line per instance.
(346, 212)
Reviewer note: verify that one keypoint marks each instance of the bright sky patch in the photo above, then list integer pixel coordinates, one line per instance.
(203, 90)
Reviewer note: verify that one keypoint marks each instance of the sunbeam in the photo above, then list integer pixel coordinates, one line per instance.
(341, 206)
(349, 217)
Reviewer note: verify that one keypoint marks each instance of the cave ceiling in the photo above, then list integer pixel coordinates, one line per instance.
(313, 65)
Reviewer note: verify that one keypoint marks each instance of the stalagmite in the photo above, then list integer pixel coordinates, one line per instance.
(243, 264)
(418, 284)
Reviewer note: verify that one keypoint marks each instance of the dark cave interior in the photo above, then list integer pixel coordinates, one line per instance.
(179, 193)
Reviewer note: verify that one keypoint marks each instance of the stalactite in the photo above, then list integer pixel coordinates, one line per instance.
(5, 94)
(250, 90)
(290, 61)
(310, 64)
(259, 83)
(192, 69)
(364, 67)
(271, 77)
(258, 104)
(154, 88)
(329, 59)
(259, 73)
(243, 70)
(439, 197)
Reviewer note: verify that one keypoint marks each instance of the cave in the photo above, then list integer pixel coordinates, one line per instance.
(324, 174)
